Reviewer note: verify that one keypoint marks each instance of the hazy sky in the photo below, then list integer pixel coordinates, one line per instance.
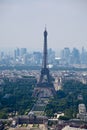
(22, 23)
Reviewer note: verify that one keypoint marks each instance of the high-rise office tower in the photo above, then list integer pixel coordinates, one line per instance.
(16, 53)
(23, 51)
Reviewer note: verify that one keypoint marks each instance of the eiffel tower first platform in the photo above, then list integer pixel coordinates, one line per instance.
(45, 87)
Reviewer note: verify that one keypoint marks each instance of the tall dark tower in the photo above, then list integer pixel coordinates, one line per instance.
(44, 88)
(45, 50)
(45, 70)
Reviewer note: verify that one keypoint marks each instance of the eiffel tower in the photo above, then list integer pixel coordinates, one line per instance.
(45, 87)
(45, 77)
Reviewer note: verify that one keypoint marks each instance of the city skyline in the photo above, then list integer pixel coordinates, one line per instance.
(22, 24)
(10, 51)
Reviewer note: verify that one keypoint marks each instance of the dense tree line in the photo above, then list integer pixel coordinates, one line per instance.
(66, 100)
(17, 96)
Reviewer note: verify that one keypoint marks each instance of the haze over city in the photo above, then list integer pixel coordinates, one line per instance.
(43, 64)
(22, 23)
